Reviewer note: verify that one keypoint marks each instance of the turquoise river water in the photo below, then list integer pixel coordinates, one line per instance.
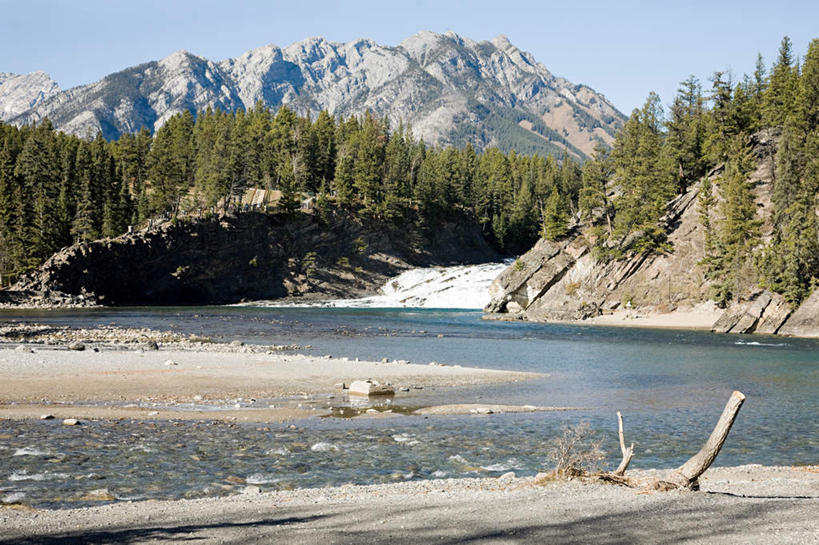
(671, 386)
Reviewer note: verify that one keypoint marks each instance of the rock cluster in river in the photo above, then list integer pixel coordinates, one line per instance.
(111, 336)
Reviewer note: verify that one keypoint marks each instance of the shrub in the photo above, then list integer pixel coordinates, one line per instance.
(576, 452)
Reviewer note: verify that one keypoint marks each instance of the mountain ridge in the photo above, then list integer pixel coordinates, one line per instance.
(450, 89)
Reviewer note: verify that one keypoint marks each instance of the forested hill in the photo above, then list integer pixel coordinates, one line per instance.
(57, 189)
(450, 89)
(717, 199)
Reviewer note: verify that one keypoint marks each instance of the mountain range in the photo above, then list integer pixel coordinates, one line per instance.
(449, 89)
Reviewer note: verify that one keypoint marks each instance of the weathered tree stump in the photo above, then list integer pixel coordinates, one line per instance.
(687, 475)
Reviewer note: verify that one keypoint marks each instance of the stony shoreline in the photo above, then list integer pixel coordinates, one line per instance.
(119, 337)
(746, 504)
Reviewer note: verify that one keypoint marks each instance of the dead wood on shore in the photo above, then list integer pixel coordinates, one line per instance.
(686, 476)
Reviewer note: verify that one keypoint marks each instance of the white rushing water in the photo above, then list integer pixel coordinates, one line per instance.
(463, 286)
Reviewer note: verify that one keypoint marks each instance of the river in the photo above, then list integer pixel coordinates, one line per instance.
(671, 386)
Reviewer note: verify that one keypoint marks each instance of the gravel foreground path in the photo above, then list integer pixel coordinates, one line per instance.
(747, 504)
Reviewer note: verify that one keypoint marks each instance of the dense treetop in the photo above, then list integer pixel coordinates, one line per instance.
(57, 189)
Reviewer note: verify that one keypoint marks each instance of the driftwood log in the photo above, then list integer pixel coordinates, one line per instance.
(627, 452)
(687, 475)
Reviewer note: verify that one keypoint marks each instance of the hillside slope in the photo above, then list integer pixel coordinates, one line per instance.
(451, 90)
(562, 281)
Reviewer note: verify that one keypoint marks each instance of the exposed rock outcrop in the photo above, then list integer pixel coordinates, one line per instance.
(763, 312)
(804, 322)
(563, 281)
(248, 256)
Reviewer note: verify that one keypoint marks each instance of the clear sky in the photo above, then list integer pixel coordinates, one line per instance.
(622, 48)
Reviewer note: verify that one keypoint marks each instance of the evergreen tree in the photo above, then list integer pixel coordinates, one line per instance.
(779, 96)
(686, 133)
(646, 176)
(368, 169)
(38, 169)
(593, 194)
(171, 164)
(806, 107)
(555, 221)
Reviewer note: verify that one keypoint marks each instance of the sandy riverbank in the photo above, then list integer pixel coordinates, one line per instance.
(39, 379)
(700, 317)
(748, 504)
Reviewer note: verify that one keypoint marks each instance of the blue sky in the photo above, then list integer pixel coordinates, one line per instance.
(621, 48)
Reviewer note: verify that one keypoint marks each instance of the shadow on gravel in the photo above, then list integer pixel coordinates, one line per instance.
(756, 497)
(661, 519)
(175, 534)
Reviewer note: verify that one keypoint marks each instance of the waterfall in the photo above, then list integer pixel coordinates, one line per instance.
(462, 286)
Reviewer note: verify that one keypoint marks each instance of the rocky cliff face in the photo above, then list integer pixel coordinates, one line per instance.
(249, 256)
(562, 281)
(451, 90)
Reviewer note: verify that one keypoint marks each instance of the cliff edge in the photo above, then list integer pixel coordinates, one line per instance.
(244, 257)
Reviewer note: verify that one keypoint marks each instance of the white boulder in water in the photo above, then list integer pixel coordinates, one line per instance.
(370, 388)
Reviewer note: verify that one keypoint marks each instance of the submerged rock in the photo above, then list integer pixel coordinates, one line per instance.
(100, 494)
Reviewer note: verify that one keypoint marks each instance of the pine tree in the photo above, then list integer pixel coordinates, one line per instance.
(738, 229)
(806, 107)
(325, 131)
(646, 176)
(593, 196)
(82, 228)
(555, 221)
(171, 164)
(368, 169)
(38, 169)
(396, 177)
(707, 203)
(779, 96)
(686, 133)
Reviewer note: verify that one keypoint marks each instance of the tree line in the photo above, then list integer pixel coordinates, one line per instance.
(57, 189)
(625, 193)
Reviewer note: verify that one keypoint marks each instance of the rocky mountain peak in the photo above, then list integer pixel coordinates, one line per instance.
(502, 42)
(19, 93)
(450, 89)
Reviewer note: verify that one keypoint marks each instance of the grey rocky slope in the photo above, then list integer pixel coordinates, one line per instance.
(562, 281)
(21, 93)
(450, 89)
